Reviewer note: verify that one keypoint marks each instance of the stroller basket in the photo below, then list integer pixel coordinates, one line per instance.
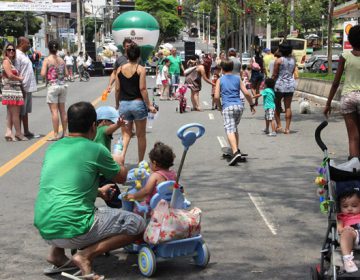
(341, 175)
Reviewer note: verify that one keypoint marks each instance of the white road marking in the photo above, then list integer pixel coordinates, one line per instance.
(211, 116)
(222, 141)
(205, 103)
(257, 201)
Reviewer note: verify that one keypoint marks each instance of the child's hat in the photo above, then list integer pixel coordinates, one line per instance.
(107, 113)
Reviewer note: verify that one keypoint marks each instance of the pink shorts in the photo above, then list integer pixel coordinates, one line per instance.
(350, 103)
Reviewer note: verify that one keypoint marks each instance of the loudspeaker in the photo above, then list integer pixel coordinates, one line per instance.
(189, 48)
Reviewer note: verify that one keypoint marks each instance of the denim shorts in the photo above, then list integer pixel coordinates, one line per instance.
(133, 110)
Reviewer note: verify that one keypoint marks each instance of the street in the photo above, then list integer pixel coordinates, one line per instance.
(261, 219)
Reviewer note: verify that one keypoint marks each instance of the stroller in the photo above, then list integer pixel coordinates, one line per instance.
(180, 95)
(173, 193)
(332, 181)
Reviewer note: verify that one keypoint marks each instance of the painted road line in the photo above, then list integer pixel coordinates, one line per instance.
(30, 150)
(222, 141)
(211, 116)
(205, 103)
(257, 201)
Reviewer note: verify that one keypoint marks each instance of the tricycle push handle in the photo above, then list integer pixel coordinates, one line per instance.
(187, 136)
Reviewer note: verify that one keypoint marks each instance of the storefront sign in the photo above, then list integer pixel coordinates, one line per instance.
(39, 6)
(347, 26)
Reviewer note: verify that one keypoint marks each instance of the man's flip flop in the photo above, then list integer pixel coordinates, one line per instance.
(67, 266)
(75, 276)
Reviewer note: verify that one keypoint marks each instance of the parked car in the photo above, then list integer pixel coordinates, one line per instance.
(309, 63)
(245, 58)
(321, 66)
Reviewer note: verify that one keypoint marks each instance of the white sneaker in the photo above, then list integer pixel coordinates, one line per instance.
(349, 264)
(272, 134)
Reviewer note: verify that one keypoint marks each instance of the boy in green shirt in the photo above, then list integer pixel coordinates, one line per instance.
(269, 106)
(108, 121)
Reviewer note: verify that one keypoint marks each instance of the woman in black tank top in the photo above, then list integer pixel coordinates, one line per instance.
(132, 101)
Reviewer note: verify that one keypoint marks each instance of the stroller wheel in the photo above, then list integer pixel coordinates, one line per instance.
(202, 257)
(147, 262)
(315, 272)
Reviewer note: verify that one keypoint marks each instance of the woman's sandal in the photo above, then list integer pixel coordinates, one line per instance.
(287, 131)
(279, 130)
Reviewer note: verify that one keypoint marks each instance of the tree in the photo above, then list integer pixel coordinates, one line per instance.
(12, 23)
(165, 12)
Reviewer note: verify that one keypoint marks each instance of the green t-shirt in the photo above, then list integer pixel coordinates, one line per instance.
(69, 183)
(102, 138)
(175, 64)
(160, 64)
(269, 98)
(352, 70)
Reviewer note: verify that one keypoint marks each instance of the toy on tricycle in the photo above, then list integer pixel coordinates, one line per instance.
(173, 193)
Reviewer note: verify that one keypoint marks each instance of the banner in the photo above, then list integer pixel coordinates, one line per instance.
(39, 6)
(347, 26)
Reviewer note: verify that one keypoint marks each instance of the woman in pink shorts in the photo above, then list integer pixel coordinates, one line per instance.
(350, 95)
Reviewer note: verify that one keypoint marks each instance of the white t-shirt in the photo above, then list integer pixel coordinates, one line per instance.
(24, 65)
(69, 60)
(164, 73)
(80, 60)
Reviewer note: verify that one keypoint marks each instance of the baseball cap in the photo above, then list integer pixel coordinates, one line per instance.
(107, 113)
(232, 50)
(266, 50)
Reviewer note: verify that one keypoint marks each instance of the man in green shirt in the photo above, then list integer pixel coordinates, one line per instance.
(174, 70)
(65, 212)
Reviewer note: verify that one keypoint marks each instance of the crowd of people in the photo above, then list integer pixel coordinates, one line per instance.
(73, 221)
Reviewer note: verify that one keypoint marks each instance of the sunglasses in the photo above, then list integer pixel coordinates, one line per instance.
(10, 50)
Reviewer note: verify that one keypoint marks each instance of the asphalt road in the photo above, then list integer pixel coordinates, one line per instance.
(261, 219)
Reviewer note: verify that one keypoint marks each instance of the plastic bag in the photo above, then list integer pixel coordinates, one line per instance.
(170, 224)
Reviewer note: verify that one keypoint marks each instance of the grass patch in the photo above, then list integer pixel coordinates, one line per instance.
(320, 76)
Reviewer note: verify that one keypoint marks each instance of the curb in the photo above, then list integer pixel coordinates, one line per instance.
(317, 99)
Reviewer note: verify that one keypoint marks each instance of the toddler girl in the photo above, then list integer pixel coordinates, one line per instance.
(215, 77)
(161, 159)
(348, 226)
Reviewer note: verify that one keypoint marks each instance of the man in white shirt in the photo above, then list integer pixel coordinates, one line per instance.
(80, 61)
(24, 65)
(69, 61)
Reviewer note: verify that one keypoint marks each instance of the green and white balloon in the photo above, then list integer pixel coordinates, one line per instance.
(138, 26)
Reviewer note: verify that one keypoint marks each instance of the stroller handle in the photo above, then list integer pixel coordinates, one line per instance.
(318, 135)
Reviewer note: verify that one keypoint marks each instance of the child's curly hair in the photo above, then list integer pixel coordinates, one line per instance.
(163, 155)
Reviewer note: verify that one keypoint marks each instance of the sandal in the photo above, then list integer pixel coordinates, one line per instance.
(287, 131)
(279, 130)
(76, 276)
(23, 138)
(67, 266)
(10, 139)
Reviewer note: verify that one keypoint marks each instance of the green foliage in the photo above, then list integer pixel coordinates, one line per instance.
(308, 14)
(12, 23)
(165, 13)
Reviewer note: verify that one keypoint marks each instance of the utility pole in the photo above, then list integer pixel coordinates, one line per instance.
(292, 15)
(268, 27)
(83, 24)
(329, 43)
(78, 23)
(218, 30)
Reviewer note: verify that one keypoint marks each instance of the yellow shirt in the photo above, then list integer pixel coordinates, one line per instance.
(267, 58)
(352, 73)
